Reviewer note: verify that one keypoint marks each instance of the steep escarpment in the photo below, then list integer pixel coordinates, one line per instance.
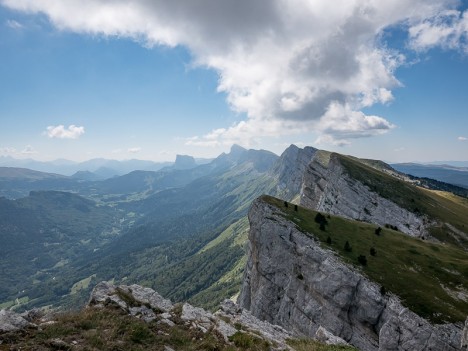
(292, 280)
(328, 186)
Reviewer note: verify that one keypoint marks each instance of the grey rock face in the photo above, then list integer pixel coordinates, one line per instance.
(328, 188)
(464, 340)
(289, 170)
(11, 321)
(291, 281)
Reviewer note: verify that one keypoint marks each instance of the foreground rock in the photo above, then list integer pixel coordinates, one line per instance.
(293, 282)
(135, 317)
(148, 305)
(11, 321)
(137, 300)
(237, 315)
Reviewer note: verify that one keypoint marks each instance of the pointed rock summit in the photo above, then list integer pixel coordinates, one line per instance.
(237, 150)
(290, 167)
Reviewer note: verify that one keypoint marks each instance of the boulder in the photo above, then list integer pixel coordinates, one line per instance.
(11, 321)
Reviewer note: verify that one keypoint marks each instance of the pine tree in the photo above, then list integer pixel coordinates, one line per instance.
(362, 260)
(348, 247)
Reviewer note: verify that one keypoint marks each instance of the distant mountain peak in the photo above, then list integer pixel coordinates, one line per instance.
(291, 148)
(184, 162)
(237, 149)
(85, 175)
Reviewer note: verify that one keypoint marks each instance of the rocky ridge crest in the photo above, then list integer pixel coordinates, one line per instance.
(328, 187)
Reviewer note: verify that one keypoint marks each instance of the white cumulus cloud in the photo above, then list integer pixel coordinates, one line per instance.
(60, 132)
(462, 138)
(448, 29)
(292, 66)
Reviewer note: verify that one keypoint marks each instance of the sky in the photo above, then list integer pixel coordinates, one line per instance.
(149, 79)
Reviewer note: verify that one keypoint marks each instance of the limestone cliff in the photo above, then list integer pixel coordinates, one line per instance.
(329, 188)
(290, 280)
(288, 171)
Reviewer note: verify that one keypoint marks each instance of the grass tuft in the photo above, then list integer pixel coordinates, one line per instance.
(312, 345)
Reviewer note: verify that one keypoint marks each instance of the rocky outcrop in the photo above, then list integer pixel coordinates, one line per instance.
(11, 321)
(231, 327)
(328, 187)
(148, 305)
(293, 282)
(125, 296)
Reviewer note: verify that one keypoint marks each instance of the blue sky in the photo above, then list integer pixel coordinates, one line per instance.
(149, 80)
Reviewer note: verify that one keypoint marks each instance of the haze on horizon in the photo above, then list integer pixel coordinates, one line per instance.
(152, 79)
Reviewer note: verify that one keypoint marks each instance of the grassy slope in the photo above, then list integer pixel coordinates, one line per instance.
(228, 284)
(425, 275)
(438, 205)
